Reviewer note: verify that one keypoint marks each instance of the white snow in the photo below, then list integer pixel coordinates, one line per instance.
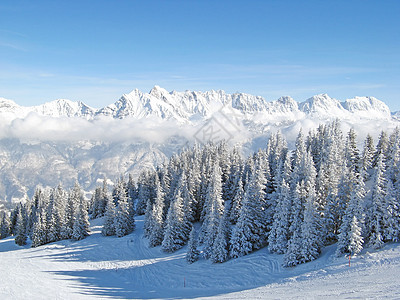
(126, 268)
(140, 129)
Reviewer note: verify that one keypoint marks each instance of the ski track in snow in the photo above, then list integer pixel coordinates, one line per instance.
(126, 268)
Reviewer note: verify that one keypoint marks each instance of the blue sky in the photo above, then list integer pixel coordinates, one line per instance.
(95, 51)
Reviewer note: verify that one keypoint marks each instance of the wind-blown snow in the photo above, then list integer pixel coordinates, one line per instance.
(126, 268)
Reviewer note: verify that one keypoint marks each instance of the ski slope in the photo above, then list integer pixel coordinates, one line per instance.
(126, 268)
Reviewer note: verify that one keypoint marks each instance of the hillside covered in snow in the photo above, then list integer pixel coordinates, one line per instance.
(93, 269)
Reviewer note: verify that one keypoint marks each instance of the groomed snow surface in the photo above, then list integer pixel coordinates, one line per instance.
(126, 268)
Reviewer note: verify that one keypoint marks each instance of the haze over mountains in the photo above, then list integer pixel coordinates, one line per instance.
(63, 141)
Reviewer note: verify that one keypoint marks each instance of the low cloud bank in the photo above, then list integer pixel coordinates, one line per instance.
(35, 127)
(45, 128)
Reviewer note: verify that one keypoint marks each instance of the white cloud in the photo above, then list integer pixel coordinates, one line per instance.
(36, 127)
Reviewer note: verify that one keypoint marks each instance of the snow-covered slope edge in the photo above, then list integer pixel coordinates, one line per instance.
(126, 268)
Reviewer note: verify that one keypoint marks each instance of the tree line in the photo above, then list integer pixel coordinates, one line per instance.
(296, 202)
(223, 205)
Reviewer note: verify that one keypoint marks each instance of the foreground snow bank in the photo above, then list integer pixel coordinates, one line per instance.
(126, 268)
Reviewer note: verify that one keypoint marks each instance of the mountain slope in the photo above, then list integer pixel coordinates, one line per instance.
(126, 268)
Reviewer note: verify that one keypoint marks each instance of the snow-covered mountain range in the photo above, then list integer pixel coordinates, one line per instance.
(63, 141)
(191, 106)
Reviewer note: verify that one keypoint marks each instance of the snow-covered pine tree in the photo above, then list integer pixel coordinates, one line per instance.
(293, 253)
(148, 220)
(165, 188)
(33, 213)
(331, 167)
(149, 216)
(391, 204)
(20, 237)
(208, 162)
(108, 226)
(81, 223)
(381, 149)
(122, 220)
(262, 163)
(276, 152)
(131, 188)
(337, 203)
(235, 174)
(310, 233)
(316, 144)
(300, 150)
(352, 155)
(192, 253)
(393, 163)
(367, 156)
(193, 187)
(188, 213)
(220, 250)
(104, 199)
(250, 231)
(376, 211)
(350, 238)
(236, 202)
(156, 218)
(13, 220)
(145, 191)
(95, 209)
(214, 209)
(70, 211)
(355, 237)
(391, 218)
(279, 233)
(173, 235)
(4, 226)
(39, 233)
(55, 214)
(224, 163)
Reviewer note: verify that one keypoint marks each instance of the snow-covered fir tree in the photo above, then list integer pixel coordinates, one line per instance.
(4, 226)
(21, 237)
(310, 231)
(293, 253)
(213, 208)
(123, 220)
(174, 228)
(70, 211)
(39, 233)
(250, 231)
(367, 155)
(156, 220)
(350, 240)
(55, 214)
(375, 213)
(192, 253)
(81, 225)
(391, 232)
(99, 200)
(220, 250)
(279, 233)
(108, 225)
(381, 149)
(236, 202)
